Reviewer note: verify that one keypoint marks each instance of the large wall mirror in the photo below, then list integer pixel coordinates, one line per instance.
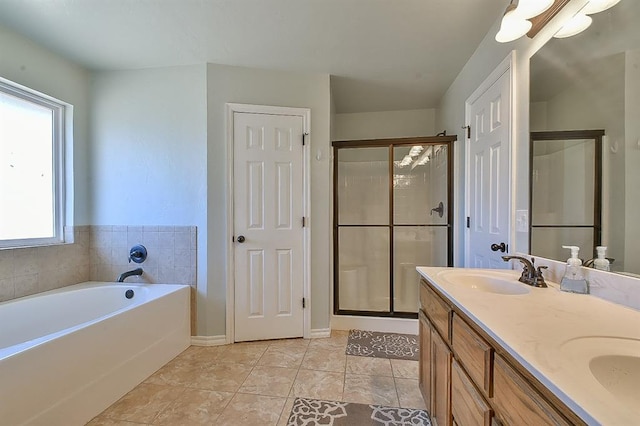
(586, 189)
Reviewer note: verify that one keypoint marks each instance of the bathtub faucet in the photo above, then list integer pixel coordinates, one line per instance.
(123, 276)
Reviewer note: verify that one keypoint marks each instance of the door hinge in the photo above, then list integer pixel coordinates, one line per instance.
(468, 131)
(304, 303)
(468, 222)
(303, 135)
(304, 222)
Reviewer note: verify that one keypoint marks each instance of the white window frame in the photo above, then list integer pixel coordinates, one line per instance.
(59, 110)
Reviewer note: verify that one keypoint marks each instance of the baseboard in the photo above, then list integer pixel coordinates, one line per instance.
(387, 325)
(319, 333)
(209, 340)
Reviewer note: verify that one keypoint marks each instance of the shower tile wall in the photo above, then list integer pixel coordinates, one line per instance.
(30, 270)
(171, 253)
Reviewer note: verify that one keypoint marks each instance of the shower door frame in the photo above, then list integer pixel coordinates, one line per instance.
(389, 144)
(563, 135)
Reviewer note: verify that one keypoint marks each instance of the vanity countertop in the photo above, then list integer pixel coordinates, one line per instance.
(562, 339)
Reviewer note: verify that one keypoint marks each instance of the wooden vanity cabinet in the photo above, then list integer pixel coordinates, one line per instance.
(468, 379)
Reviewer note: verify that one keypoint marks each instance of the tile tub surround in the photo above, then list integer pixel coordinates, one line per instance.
(171, 253)
(30, 270)
(247, 383)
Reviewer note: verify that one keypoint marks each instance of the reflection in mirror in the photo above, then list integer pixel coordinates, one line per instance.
(588, 82)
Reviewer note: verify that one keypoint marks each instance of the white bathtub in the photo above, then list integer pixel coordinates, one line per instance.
(67, 354)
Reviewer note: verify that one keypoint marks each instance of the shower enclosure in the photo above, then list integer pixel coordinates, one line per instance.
(392, 212)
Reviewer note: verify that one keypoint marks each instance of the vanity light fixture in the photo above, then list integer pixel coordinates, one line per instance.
(515, 21)
(575, 25)
(597, 6)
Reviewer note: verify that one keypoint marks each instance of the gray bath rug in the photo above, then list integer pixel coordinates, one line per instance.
(316, 412)
(383, 345)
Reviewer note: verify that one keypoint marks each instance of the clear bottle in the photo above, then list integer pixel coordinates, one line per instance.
(573, 280)
(602, 263)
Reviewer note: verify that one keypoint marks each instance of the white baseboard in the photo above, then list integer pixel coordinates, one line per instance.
(320, 333)
(209, 340)
(386, 325)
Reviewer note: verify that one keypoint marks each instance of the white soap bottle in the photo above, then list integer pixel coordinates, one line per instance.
(573, 280)
(602, 263)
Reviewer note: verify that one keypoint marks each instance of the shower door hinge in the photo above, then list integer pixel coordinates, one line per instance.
(304, 303)
(468, 222)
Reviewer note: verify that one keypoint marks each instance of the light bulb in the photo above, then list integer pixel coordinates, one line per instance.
(513, 27)
(597, 6)
(574, 26)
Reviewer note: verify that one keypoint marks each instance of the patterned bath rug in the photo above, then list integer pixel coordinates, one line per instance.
(310, 412)
(383, 345)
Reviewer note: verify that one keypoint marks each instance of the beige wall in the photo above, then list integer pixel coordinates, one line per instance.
(226, 84)
(451, 114)
(384, 124)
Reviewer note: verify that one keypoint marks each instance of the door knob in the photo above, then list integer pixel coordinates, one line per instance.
(240, 238)
(502, 247)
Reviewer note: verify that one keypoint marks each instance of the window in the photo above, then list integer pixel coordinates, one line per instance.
(31, 167)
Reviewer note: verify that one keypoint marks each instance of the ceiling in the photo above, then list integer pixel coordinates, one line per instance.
(382, 54)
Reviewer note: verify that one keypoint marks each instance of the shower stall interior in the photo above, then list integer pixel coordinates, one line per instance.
(392, 212)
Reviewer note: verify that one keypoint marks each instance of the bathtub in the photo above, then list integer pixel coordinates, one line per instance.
(67, 354)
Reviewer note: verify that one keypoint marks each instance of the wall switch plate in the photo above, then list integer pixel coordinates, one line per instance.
(522, 221)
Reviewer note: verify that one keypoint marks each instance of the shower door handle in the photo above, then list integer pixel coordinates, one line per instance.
(439, 210)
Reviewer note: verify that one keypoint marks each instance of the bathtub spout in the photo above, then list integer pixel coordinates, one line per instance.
(123, 276)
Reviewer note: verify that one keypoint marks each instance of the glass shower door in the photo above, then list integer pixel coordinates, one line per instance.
(391, 214)
(420, 218)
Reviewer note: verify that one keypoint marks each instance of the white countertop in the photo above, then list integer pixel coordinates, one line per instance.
(555, 335)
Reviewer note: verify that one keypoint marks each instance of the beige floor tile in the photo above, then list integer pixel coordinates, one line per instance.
(286, 411)
(409, 394)
(324, 359)
(318, 384)
(103, 421)
(405, 369)
(143, 403)
(194, 407)
(370, 390)
(290, 343)
(178, 372)
(283, 357)
(339, 333)
(201, 353)
(270, 381)
(336, 342)
(245, 410)
(243, 353)
(368, 365)
(221, 377)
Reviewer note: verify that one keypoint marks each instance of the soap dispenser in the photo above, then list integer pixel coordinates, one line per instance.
(573, 280)
(601, 263)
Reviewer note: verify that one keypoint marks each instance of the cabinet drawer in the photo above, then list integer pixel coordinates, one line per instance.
(436, 309)
(467, 404)
(474, 353)
(517, 401)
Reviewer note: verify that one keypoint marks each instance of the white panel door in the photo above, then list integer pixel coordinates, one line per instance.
(489, 175)
(268, 233)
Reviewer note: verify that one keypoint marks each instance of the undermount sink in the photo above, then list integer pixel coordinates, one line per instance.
(613, 362)
(486, 281)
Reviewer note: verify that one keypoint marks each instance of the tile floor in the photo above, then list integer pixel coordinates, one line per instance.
(256, 383)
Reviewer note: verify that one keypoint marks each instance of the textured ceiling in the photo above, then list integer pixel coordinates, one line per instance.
(382, 54)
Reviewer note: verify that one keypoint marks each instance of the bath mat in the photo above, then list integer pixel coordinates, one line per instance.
(383, 345)
(316, 412)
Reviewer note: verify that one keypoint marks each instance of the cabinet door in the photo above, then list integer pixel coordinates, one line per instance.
(468, 407)
(425, 360)
(441, 377)
(517, 402)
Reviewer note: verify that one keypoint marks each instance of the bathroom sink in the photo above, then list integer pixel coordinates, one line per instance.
(486, 281)
(613, 362)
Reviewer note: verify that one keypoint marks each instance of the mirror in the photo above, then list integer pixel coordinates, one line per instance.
(589, 82)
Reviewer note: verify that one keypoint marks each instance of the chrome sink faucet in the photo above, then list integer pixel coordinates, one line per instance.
(530, 275)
